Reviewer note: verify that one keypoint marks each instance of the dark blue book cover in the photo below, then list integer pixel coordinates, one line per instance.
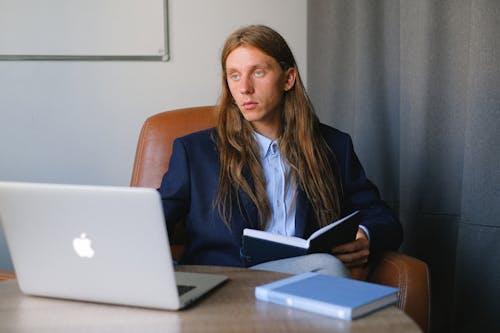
(261, 246)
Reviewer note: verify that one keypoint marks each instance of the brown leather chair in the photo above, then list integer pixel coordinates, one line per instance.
(154, 148)
(4, 275)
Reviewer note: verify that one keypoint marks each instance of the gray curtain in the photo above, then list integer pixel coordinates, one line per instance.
(417, 85)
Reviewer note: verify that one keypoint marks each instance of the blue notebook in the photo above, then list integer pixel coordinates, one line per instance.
(328, 295)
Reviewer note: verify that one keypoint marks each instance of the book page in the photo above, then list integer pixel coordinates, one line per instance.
(290, 240)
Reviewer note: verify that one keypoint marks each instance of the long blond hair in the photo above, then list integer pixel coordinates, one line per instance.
(300, 140)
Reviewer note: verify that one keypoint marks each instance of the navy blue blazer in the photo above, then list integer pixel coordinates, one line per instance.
(189, 189)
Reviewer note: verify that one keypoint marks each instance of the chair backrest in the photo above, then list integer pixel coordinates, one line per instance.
(154, 149)
(157, 136)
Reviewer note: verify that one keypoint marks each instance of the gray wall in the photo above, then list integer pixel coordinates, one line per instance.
(417, 84)
(78, 122)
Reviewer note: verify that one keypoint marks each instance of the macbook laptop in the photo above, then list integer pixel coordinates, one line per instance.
(95, 243)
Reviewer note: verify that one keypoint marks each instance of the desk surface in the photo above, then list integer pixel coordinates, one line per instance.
(230, 308)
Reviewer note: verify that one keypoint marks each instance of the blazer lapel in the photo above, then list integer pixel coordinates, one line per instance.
(248, 209)
(302, 213)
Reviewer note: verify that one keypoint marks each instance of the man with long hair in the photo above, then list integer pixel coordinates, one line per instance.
(270, 164)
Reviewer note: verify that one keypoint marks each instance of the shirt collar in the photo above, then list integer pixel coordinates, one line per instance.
(265, 144)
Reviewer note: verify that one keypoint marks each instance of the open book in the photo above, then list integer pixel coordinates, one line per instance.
(262, 246)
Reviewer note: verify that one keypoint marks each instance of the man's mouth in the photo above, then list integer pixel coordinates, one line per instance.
(249, 105)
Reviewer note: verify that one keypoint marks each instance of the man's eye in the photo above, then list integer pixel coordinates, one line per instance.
(259, 73)
(235, 77)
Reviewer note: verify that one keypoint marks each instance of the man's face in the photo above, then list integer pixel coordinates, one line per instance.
(257, 84)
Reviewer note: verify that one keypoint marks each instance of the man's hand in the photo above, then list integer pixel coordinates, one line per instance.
(354, 253)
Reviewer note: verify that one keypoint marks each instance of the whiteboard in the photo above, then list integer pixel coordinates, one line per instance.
(83, 29)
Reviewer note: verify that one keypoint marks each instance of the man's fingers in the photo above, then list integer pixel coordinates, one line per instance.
(354, 256)
(357, 245)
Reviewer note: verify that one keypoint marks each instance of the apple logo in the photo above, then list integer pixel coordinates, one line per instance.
(83, 246)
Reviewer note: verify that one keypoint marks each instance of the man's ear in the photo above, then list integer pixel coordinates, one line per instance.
(290, 76)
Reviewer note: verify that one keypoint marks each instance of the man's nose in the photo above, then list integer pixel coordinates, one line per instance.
(246, 86)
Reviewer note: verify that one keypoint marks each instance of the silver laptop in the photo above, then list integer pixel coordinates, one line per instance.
(95, 243)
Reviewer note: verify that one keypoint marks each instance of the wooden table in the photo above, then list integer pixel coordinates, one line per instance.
(230, 308)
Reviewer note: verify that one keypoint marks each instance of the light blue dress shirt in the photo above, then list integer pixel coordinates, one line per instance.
(280, 187)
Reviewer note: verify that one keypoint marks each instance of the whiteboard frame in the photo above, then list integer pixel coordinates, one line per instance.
(157, 57)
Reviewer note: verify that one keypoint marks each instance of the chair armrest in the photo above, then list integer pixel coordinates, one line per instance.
(176, 250)
(6, 275)
(411, 276)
